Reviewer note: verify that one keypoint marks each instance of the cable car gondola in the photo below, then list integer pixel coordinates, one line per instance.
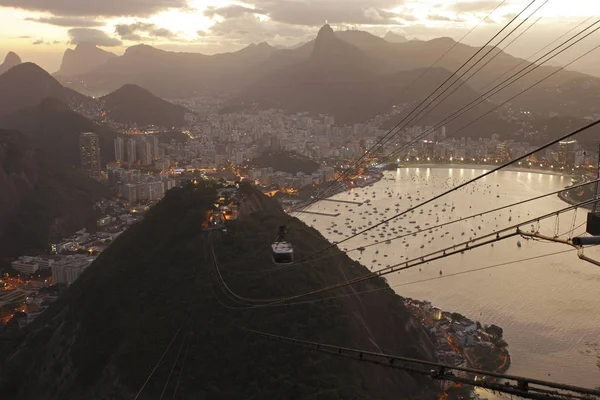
(283, 252)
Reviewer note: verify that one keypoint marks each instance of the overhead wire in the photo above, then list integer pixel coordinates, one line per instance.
(535, 64)
(523, 387)
(391, 131)
(491, 92)
(439, 196)
(173, 367)
(461, 82)
(536, 53)
(405, 235)
(501, 86)
(182, 367)
(417, 261)
(161, 357)
(358, 293)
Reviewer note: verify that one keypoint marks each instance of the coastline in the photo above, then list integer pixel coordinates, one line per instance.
(487, 167)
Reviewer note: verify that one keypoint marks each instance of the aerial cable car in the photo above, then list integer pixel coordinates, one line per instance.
(283, 252)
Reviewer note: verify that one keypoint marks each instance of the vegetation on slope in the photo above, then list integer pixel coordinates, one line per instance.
(54, 127)
(285, 161)
(104, 338)
(43, 200)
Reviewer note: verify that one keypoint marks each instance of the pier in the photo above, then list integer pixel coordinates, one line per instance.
(319, 213)
(358, 203)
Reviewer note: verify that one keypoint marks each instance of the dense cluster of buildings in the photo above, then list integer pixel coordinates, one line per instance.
(458, 340)
(67, 260)
(138, 187)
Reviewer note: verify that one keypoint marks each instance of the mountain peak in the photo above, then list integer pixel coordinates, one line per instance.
(31, 70)
(83, 58)
(143, 49)
(134, 104)
(11, 60)
(394, 37)
(326, 32)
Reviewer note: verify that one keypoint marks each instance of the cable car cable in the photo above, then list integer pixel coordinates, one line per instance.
(392, 361)
(433, 256)
(443, 83)
(482, 98)
(439, 196)
(432, 227)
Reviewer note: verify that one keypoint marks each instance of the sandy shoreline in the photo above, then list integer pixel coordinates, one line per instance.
(487, 168)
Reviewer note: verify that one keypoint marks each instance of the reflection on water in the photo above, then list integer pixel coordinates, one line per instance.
(548, 307)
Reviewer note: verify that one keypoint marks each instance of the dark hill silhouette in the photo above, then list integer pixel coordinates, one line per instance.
(54, 127)
(40, 200)
(133, 104)
(83, 58)
(11, 60)
(27, 85)
(161, 269)
(285, 161)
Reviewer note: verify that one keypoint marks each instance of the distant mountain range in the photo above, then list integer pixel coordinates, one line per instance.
(356, 64)
(40, 200)
(342, 80)
(11, 60)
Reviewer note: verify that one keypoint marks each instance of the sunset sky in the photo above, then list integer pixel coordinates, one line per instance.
(41, 30)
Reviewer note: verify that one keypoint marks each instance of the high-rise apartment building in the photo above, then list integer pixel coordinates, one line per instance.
(119, 149)
(131, 151)
(566, 152)
(89, 150)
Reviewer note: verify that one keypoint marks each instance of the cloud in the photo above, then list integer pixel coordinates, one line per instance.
(134, 31)
(474, 6)
(445, 18)
(93, 36)
(316, 12)
(250, 29)
(233, 11)
(96, 7)
(40, 42)
(67, 21)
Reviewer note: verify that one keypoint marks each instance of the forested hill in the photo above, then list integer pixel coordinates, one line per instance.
(106, 335)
